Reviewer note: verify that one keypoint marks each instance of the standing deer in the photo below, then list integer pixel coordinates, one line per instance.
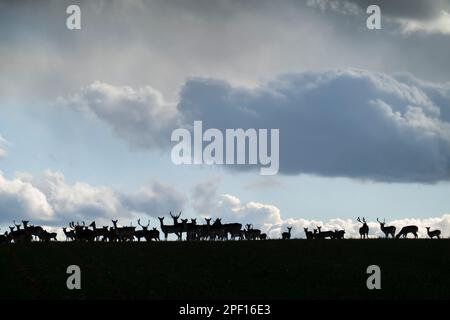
(124, 233)
(435, 233)
(252, 234)
(390, 230)
(70, 235)
(364, 230)
(168, 229)
(286, 235)
(309, 234)
(408, 229)
(141, 233)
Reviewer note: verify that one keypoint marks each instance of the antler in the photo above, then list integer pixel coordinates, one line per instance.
(179, 215)
(358, 219)
(379, 221)
(139, 223)
(148, 223)
(364, 220)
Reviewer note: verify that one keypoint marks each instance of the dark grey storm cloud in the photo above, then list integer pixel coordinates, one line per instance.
(350, 123)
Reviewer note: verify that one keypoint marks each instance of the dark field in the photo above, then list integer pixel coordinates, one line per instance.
(275, 269)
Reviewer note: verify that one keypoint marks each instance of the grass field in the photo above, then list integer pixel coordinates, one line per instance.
(230, 270)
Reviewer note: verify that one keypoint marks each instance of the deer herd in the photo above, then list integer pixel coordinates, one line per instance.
(191, 230)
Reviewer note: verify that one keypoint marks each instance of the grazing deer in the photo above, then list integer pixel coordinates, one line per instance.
(339, 234)
(408, 229)
(324, 234)
(168, 229)
(286, 235)
(435, 233)
(390, 230)
(309, 234)
(364, 229)
(70, 235)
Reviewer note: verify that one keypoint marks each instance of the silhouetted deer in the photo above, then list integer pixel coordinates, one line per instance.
(286, 235)
(390, 230)
(99, 232)
(19, 235)
(251, 233)
(218, 230)
(435, 233)
(48, 236)
(124, 233)
(339, 234)
(364, 230)
(309, 234)
(141, 233)
(234, 229)
(168, 229)
(81, 232)
(4, 238)
(325, 234)
(263, 236)
(70, 235)
(408, 229)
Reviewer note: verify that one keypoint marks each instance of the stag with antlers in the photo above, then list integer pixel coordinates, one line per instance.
(364, 229)
(387, 230)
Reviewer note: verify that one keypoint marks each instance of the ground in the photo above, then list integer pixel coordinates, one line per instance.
(294, 269)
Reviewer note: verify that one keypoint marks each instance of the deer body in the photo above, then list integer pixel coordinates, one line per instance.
(435, 233)
(286, 235)
(364, 229)
(387, 230)
(406, 230)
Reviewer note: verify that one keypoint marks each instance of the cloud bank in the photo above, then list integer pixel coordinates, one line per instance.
(50, 199)
(342, 123)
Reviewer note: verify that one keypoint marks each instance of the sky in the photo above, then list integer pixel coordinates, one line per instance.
(364, 115)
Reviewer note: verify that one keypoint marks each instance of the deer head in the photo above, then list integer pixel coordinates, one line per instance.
(17, 225)
(143, 227)
(381, 223)
(194, 221)
(208, 221)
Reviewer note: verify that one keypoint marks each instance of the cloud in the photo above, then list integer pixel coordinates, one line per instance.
(50, 199)
(410, 15)
(350, 123)
(342, 123)
(20, 199)
(140, 116)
